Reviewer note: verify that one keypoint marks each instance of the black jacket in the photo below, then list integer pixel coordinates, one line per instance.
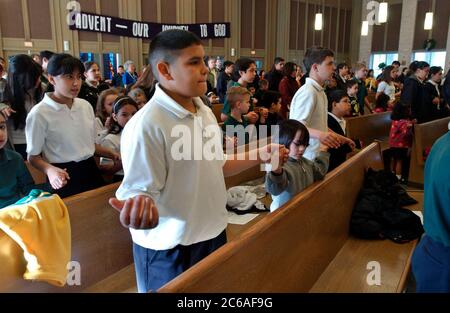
(90, 94)
(339, 155)
(416, 94)
(274, 78)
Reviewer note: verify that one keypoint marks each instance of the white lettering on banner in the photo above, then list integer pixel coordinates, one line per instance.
(220, 30)
(167, 27)
(140, 30)
(93, 22)
(203, 30)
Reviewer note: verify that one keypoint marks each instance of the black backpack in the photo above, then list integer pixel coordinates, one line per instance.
(378, 213)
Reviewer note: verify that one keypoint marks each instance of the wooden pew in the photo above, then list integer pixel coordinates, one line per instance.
(99, 243)
(304, 246)
(370, 128)
(424, 137)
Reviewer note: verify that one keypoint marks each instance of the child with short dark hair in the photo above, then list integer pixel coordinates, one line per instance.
(283, 183)
(15, 180)
(61, 132)
(184, 184)
(339, 106)
(271, 100)
(352, 92)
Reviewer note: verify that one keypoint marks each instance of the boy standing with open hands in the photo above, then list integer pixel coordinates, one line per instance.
(176, 196)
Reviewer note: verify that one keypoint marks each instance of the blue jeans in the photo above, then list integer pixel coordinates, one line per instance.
(431, 266)
(156, 268)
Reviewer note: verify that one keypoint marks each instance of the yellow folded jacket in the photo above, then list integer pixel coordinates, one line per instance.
(40, 225)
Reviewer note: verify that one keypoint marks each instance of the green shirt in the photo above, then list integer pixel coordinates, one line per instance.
(15, 180)
(231, 131)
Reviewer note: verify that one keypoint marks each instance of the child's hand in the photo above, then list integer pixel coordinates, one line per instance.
(264, 112)
(115, 156)
(330, 139)
(252, 117)
(108, 122)
(231, 143)
(58, 177)
(323, 147)
(139, 212)
(8, 111)
(275, 154)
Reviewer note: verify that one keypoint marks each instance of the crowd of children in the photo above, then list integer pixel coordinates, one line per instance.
(79, 130)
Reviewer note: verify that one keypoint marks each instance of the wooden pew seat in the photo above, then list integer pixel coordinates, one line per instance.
(424, 137)
(305, 246)
(370, 128)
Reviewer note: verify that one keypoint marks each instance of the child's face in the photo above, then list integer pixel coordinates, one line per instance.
(264, 87)
(229, 69)
(108, 104)
(93, 74)
(326, 69)
(296, 149)
(342, 108)
(437, 77)
(276, 107)
(187, 76)
(249, 75)
(353, 90)
(67, 85)
(252, 90)
(125, 114)
(343, 71)
(3, 131)
(140, 99)
(244, 105)
(362, 73)
(211, 64)
(394, 73)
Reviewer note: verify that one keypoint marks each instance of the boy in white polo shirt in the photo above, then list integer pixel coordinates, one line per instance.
(310, 104)
(185, 183)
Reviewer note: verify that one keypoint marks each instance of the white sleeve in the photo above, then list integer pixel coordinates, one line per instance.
(381, 86)
(144, 162)
(109, 142)
(35, 132)
(302, 107)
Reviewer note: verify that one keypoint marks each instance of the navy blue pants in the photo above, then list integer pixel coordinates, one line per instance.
(431, 266)
(155, 268)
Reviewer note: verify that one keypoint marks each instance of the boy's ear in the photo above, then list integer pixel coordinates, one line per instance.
(51, 79)
(164, 70)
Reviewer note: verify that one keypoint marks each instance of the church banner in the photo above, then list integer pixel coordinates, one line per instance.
(128, 28)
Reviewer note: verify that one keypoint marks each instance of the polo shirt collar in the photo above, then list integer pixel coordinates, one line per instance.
(58, 106)
(315, 84)
(173, 107)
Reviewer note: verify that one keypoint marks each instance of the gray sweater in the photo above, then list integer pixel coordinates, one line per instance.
(296, 176)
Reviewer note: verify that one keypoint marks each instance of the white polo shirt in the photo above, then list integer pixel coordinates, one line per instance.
(190, 195)
(310, 106)
(61, 134)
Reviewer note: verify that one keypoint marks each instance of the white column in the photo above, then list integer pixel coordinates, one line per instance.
(447, 57)
(407, 29)
(365, 44)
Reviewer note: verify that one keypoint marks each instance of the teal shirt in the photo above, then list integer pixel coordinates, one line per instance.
(437, 191)
(15, 179)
